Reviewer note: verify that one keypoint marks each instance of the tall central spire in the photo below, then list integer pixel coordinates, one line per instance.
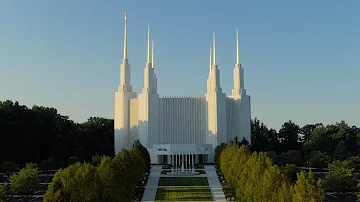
(210, 60)
(148, 51)
(125, 37)
(237, 48)
(214, 53)
(152, 54)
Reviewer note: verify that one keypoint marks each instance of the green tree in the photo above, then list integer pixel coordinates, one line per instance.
(262, 138)
(289, 136)
(289, 171)
(26, 182)
(96, 160)
(294, 157)
(217, 154)
(72, 160)
(307, 189)
(340, 179)
(144, 153)
(9, 166)
(319, 159)
(353, 162)
(78, 182)
(48, 164)
(43, 132)
(341, 152)
(2, 193)
(307, 130)
(284, 194)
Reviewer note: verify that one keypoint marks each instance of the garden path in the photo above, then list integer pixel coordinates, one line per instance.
(215, 186)
(152, 184)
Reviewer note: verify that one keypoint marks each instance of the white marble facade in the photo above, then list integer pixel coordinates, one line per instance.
(190, 125)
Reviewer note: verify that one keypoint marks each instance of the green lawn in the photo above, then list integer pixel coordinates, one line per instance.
(183, 194)
(183, 181)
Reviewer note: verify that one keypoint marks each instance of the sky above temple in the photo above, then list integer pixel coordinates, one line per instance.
(301, 58)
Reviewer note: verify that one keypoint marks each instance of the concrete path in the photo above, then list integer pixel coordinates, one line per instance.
(152, 184)
(215, 186)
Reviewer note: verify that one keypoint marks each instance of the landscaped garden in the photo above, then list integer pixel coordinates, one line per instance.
(183, 194)
(183, 189)
(183, 181)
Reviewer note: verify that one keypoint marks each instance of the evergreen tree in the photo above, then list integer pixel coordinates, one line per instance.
(341, 152)
(2, 193)
(307, 189)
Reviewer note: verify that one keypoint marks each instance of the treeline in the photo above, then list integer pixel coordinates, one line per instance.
(112, 180)
(314, 145)
(109, 179)
(40, 134)
(334, 148)
(255, 178)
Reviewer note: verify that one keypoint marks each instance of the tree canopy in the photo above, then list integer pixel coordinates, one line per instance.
(256, 178)
(41, 133)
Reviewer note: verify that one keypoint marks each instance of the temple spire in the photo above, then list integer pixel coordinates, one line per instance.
(210, 60)
(148, 51)
(152, 54)
(214, 52)
(125, 36)
(237, 48)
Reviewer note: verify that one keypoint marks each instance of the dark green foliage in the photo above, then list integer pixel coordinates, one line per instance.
(353, 162)
(96, 160)
(289, 136)
(9, 166)
(341, 152)
(319, 159)
(290, 157)
(217, 155)
(144, 153)
(289, 171)
(43, 132)
(73, 160)
(2, 193)
(48, 164)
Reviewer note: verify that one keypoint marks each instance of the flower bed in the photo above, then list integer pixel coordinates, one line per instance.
(166, 167)
(140, 188)
(166, 171)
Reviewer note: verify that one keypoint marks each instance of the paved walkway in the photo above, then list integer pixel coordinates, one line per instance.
(215, 186)
(153, 181)
(152, 184)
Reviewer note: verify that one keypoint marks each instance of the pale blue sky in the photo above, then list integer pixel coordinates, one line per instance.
(301, 58)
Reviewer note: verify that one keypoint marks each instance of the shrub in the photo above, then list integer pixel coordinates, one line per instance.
(48, 164)
(9, 166)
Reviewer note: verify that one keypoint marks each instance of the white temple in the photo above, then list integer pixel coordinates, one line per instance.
(176, 129)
